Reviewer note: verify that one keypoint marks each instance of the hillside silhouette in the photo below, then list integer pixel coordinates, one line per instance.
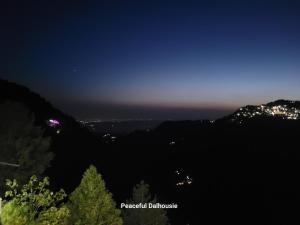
(75, 147)
(242, 169)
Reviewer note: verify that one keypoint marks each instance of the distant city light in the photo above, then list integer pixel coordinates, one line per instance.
(281, 111)
(106, 135)
(179, 183)
(185, 180)
(172, 143)
(113, 138)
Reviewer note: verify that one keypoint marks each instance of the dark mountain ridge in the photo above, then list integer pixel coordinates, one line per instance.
(217, 171)
(280, 109)
(244, 169)
(74, 146)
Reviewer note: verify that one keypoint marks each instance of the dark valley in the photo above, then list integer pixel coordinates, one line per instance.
(243, 167)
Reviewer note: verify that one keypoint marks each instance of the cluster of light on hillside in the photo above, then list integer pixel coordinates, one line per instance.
(172, 143)
(185, 180)
(282, 111)
(108, 137)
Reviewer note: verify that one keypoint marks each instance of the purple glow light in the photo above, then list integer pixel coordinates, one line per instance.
(54, 122)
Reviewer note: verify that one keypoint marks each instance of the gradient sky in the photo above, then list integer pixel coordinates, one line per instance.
(152, 59)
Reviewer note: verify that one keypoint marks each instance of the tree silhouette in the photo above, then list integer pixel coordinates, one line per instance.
(91, 203)
(23, 147)
(144, 216)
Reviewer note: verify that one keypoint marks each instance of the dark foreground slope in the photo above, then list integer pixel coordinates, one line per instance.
(242, 169)
(224, 171)
(74, 146)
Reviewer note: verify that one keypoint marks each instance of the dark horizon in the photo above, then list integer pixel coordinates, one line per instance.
(85, 111)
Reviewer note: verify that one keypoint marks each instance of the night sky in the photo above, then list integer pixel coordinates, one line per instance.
(152, 59)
